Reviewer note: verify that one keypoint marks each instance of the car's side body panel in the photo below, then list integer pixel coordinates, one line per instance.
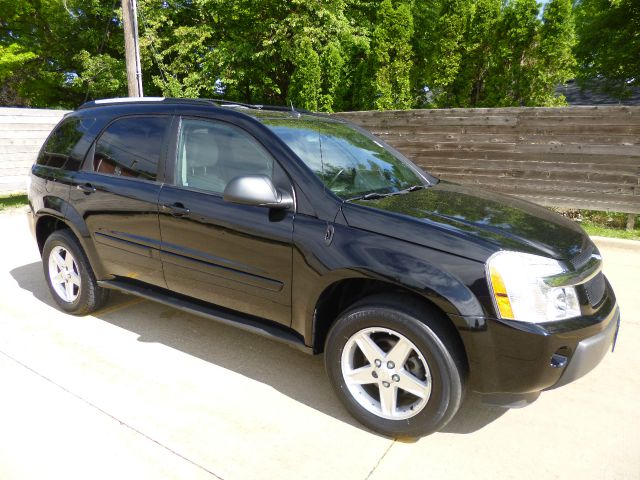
(122, 218)
(452, 283)
(235, 256)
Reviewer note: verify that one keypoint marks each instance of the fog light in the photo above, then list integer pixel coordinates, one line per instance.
(558, 361)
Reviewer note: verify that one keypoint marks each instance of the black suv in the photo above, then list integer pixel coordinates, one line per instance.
(309, 230)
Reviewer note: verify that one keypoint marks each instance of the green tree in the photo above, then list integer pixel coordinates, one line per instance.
(392, 57)
(333, 62)
(467, 89)
(48, 38)
(509, 80)
(306, 81)
(608, 46)
(442, 52)
(556, 60)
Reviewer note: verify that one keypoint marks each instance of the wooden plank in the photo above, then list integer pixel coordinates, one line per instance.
(539, 186)
(491, 138)
(35, 112)
(16, 171)
(36, 142)
(600, 110)
(590, 177)
(33, 148)
(612, 150)
(570, 202)
(11, 127)
(406, 143)
(548, 121)
(40, 134)
(629, 130)
(383, 122)
(533, 166)
(27, 120)
(16, 157)
(418, 153)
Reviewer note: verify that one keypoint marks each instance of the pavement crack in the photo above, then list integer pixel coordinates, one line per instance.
(104, 412)
(380, 460)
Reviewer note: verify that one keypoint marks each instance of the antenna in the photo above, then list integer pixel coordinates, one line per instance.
(293, 109)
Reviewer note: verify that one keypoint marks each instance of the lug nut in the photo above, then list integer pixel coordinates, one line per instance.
(396, 378)
(374, 374)
(386, 384)
(391, 365)
(378, 363)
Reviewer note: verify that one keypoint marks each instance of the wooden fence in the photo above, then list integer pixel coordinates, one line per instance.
(22, 132)
(574, 157)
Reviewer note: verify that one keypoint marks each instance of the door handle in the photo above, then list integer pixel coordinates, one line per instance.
(86, 188)
(176, 209)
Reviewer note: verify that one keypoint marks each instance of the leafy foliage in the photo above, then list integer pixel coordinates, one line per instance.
(323, 55)
(609, 44)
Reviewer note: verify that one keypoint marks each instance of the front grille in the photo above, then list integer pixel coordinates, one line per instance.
(583, 257)
(594, 289)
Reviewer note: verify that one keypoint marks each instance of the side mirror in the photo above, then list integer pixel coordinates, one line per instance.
(257, 190)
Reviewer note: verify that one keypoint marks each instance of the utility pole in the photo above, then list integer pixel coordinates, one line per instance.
(131, 47)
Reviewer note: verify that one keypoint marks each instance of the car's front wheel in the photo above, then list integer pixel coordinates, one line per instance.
(69, 275)
(395, 366)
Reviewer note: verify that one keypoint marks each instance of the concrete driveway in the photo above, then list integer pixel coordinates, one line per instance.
(143, 391)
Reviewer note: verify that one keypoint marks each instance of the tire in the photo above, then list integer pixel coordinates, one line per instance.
(69, 276)
(427, 387)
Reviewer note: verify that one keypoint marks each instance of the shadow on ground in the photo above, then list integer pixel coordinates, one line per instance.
(293, 373)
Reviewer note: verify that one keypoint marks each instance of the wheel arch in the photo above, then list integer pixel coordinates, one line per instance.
(342, 294)
(48, 222)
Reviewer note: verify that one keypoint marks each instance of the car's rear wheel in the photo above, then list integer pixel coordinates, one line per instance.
(69, 275)
(397, 368)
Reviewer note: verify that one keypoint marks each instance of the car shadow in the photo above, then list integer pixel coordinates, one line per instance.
(291, 372)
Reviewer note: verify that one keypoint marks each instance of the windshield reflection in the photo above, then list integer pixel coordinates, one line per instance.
(350, 163)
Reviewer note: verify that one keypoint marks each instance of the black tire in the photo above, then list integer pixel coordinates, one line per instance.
(90, 297)
(439, 347)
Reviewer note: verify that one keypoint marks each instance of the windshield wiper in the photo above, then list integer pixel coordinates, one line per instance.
(377, 195)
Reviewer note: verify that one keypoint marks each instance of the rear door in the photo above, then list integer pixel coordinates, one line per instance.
(117, 194)
(234, 256)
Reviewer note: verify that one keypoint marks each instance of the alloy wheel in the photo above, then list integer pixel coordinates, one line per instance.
(385, 373)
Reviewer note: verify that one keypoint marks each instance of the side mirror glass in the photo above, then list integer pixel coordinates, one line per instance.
(257, 190)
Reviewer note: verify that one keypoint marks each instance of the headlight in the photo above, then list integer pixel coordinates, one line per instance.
(516, 280)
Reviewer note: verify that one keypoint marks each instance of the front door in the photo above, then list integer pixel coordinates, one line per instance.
(234, 256)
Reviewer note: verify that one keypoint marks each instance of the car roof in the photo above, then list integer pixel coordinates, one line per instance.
(259, 112)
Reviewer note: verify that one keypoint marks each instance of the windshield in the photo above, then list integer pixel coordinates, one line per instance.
(350, 163)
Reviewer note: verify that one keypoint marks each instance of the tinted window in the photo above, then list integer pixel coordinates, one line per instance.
(131, 147)
(59, 149)
(212, 153)
(349, 162)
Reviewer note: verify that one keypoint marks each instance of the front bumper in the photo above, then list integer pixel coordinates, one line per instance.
(590, 352)
(510, 363)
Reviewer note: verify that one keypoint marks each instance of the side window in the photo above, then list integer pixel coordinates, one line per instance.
(131, 147)
(57, 152)
(211, 153)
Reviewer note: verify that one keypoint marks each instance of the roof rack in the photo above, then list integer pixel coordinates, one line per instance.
(121, 100)
(189, 101)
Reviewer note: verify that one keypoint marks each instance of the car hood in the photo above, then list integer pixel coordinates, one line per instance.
(476, 221)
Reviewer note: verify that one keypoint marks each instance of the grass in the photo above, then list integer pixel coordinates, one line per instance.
(602, 231)
(603, 224)
(12, 201)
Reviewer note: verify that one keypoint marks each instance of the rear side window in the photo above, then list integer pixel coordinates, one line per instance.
(131, 147)
(59, 152)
